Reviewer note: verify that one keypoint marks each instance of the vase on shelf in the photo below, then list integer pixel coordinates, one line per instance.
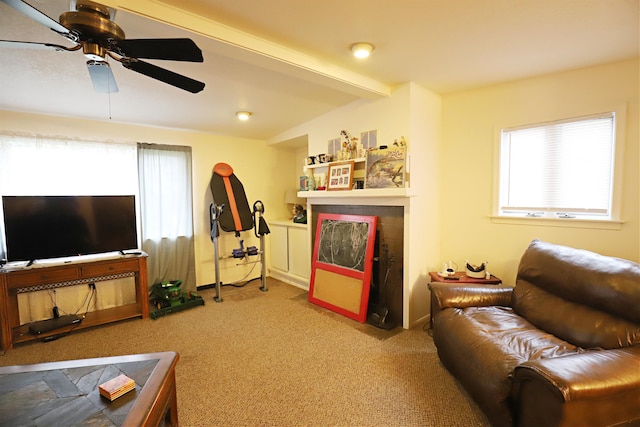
(311, 182)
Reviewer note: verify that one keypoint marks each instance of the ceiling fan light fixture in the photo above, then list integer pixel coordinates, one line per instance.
(94, 51)
(243, 115)
(362, 49)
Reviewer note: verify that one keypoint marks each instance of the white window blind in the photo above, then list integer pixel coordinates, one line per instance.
(562, 168)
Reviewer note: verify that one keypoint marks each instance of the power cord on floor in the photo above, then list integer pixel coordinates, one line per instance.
(239, 284)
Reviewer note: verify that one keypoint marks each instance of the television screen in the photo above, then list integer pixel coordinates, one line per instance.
(40, 227)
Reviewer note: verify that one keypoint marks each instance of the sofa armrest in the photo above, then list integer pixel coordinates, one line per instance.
(587, 389)
(446, 295)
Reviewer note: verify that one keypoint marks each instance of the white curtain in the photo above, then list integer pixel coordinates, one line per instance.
(38, 165)
(167, 213)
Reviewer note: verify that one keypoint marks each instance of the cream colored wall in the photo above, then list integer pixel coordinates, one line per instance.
(389, 115)
(470, 119)
(301, 154)
(424, 214)
(263, 170)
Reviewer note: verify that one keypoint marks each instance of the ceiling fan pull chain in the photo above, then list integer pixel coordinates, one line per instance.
(109, 93)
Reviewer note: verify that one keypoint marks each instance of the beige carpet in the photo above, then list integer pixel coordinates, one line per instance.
(273, 359)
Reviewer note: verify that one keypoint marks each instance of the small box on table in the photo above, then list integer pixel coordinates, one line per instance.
(116, 387)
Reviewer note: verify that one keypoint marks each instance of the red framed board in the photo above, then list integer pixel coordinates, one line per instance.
(342, 263)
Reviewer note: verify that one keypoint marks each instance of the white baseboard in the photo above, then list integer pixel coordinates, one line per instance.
(297, 281)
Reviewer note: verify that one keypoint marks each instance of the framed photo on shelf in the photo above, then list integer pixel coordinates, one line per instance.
(340, 176)
(386, 168)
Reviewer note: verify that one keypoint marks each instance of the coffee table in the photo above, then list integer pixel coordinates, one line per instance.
(66, 393)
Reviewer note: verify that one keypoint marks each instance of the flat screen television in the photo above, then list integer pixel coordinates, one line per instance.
(41, 227)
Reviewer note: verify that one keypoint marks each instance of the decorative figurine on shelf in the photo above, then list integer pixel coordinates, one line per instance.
(400, 142)
(320, 179)
(345, 152)
(299, 214)
(347, 146)
(358, 148)
(311, 182)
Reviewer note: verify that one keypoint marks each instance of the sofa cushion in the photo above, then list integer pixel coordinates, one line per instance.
(604, 283)
(481, 346)
(576, 323)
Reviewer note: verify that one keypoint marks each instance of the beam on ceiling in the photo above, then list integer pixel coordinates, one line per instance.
(256, 50)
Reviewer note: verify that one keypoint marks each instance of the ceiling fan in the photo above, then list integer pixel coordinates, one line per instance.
(90, 27)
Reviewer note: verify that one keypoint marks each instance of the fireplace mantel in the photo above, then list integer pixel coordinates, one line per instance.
(377, 196)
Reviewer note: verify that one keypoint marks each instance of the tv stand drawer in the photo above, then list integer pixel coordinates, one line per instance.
(48, 275)
(110, 268)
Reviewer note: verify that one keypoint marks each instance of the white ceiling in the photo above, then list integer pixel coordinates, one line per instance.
(287, 61)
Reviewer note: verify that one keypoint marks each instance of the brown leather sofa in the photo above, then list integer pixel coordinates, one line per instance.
(561, 348)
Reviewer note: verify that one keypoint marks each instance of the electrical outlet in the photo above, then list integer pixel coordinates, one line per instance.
(92, 286)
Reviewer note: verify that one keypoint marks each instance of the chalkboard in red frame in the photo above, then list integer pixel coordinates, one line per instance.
(342, 263)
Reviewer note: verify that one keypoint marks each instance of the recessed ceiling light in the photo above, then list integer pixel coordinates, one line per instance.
(362, 49)
(243, 115)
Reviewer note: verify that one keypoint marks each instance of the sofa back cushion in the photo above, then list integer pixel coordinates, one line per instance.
(584, 298)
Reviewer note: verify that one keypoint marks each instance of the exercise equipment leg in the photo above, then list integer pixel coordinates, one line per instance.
(214, 213)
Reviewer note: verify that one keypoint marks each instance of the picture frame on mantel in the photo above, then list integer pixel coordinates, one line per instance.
(386, 167)
(340, 176)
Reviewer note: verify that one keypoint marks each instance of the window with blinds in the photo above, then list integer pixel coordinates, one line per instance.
(562, 169)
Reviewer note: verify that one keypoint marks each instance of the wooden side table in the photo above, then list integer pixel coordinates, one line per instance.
(461, 277)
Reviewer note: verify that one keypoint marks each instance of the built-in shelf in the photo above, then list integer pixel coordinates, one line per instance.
(372, 192)
(324, 165)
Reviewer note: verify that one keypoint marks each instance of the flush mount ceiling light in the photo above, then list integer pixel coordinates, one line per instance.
(362, 49)
(243, 115)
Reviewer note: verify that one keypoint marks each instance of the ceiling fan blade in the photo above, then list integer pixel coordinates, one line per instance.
(102, 77)
(38, 16)
(168, 49)
(166, 76)
(35, 45)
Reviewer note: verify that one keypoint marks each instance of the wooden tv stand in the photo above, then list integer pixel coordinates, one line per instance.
(35, 278)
